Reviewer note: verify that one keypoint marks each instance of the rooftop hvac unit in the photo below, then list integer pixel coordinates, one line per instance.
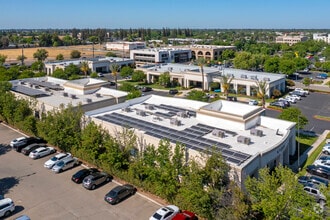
(254, 77)
(218, 133)
(98, 95)
(88, 100)
(65, 94)
(73, 96)
(181, 114)
(140, 112)
(266, 79)
(126, 109)
(149, 107)
(243, 140)
(46, 89)
(256, 132)
(244, 76)
(175, 121)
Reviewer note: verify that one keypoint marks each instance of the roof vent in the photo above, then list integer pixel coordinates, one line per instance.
(126, 109)
(98, 95)
(181, 114)
(73, 96)
(244, 76)
(65, 94)
(256, 132)
(243, 140)
(149, 107)
(88, 100)
(218, 133)
(175, 121)
(266, 79)
(140, 112)
(254, 77)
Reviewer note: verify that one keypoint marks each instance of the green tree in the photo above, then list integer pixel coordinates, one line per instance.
(245, 60)
(165, 79)
(84, 67)
(134, 94)
(114, 68)
(197, 95)
(201, 62)
(307, 81)
(110, 54)
(225, 83)
(21, 58)
(75, 54)
(295, 115)
(262, 87)
(126, 71)
(2, 59)
(272, 65)
(38, 66)
(287, 66)
(59, 56)
(228, 54)
(326, 66)
(278, 195)
(41, 55)
(138, 76)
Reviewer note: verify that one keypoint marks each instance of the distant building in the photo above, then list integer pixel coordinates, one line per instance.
(243, 83)
(125, 45)
(322, 37)
(100, 64)
(163, 55)
(289, 39)
(209, 52)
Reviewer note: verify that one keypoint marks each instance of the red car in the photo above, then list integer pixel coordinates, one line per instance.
(185, 215)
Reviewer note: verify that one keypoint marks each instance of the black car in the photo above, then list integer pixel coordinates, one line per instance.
(318, 171)
(173, 91)
(278, 104)
(79, 176)
(146, 89)
(30, 140)
(119, 193)
(312, 179)
(28, 149)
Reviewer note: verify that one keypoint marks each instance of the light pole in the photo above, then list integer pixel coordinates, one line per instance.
(22, 55)
(298, 146)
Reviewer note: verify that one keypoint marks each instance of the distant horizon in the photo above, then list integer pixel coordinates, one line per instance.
(172, 14)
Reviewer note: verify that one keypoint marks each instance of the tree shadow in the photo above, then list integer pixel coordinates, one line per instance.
(7, 183)
(4, 148)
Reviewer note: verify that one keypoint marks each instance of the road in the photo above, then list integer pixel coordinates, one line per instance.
(42, 194)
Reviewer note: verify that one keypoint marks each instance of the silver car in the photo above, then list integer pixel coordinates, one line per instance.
(96, 179)
(50, 163)
(64, 164)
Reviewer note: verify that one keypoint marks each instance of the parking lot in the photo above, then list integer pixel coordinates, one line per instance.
(42, 194)
(313, 104)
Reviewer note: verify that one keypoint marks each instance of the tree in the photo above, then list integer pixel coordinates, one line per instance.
(2, 59)
(165, 79)
(59, 56)
(37, 66)
(40, 54)
(138, 76)
(295, 115)
(307, 81)
(225, 83)
(21, 58)
(84, 68)
(201, 63)
(197, 95)
(262, 87)
(278, 195)
(75, 54)
(272, 65)
(287, 66)
(126, 71)
(114, 68)
(110, 54)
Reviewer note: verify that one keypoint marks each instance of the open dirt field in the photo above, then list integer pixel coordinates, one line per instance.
(86, 51)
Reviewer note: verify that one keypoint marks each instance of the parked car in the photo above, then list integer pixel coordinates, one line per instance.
(322, 76)
(79, 176)
(19, 143)
(96, 179)
(173, 91)
(100, 75)
(253, 102)
(50, 163)
(7, 207)
(185, 215)
(295, 97)
(28, 149)
(318, 171)
(112, 83)
(315, 192)
(326, 149)
(278, 104)
(41, 152)
(307, 133)
(119, 193)
(325, 163)
(324, 157)
(312, 179)
(298, 93)
(165, 213)
(146, 89)
(65, 164)
(302, 90)
(232, 98)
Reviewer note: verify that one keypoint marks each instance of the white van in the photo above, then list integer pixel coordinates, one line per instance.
(7, 207)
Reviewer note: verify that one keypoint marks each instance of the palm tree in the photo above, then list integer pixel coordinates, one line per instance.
(225, 84)
(201, 63)
(84, 67)
(114, 68)
(262, 90)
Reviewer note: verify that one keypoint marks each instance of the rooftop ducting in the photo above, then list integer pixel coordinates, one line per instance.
(140, 112)
(98, 95)
(88, 100)
(65, 94)
(126, 109)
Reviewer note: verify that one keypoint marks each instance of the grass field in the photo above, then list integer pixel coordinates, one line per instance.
(86, 51)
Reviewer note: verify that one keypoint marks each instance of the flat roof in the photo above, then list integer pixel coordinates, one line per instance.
(79, 61)
(161, 113)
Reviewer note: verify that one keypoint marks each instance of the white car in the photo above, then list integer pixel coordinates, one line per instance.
(326, 149)
(253, 102)
(50, 163)
(296, 97)
(64, 164)
(301, 90)
(7, 207)
(41, 152)
(165, 213)
(324, 163)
